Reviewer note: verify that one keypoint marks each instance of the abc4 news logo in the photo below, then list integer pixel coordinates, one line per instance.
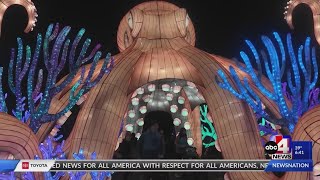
(280, 148)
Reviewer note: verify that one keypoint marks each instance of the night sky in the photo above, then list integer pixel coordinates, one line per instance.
(221, 26)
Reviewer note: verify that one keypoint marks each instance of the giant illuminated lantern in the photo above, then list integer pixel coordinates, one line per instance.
(156, 42)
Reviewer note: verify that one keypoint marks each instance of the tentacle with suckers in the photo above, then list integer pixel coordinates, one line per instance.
(314, 5)
(28, 5)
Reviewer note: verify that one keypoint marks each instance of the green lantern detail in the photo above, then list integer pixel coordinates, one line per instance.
(209, 135)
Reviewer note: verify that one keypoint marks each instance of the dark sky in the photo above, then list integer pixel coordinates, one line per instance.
(221, 26)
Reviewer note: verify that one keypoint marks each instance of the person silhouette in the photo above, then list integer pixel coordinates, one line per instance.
(150, 144)
(181, 143)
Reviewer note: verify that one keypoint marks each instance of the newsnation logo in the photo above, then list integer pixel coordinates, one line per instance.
(279, 147)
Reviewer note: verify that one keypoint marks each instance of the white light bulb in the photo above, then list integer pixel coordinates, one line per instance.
(176, 121)
(129, 127)
(140, 122)
(132, 114)
(190, 141)
(135, 101)
(187, 125)
(165, 87)
(146, 98)
(143, 109)
(181, 100)
(138, 135)
(140, 90)
(173, 108)
(184, 112)
(152, 87)
(169, 97)
(176, 89)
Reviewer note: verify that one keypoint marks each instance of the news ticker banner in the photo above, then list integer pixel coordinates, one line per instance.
(199, 165)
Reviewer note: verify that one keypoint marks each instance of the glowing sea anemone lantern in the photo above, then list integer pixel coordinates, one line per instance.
(129, 127)
(190, 141)
(176, 89)
(132, 114)
(184, 112)
(146, 98)
(169, 97)
(143, 109)
(173, 108)
(140, 122)
(187, 125)
(152, 87)
(176, 121)
(166, 87)
(135, 101)
(138, 135)
(140, 90)
(181, 100)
